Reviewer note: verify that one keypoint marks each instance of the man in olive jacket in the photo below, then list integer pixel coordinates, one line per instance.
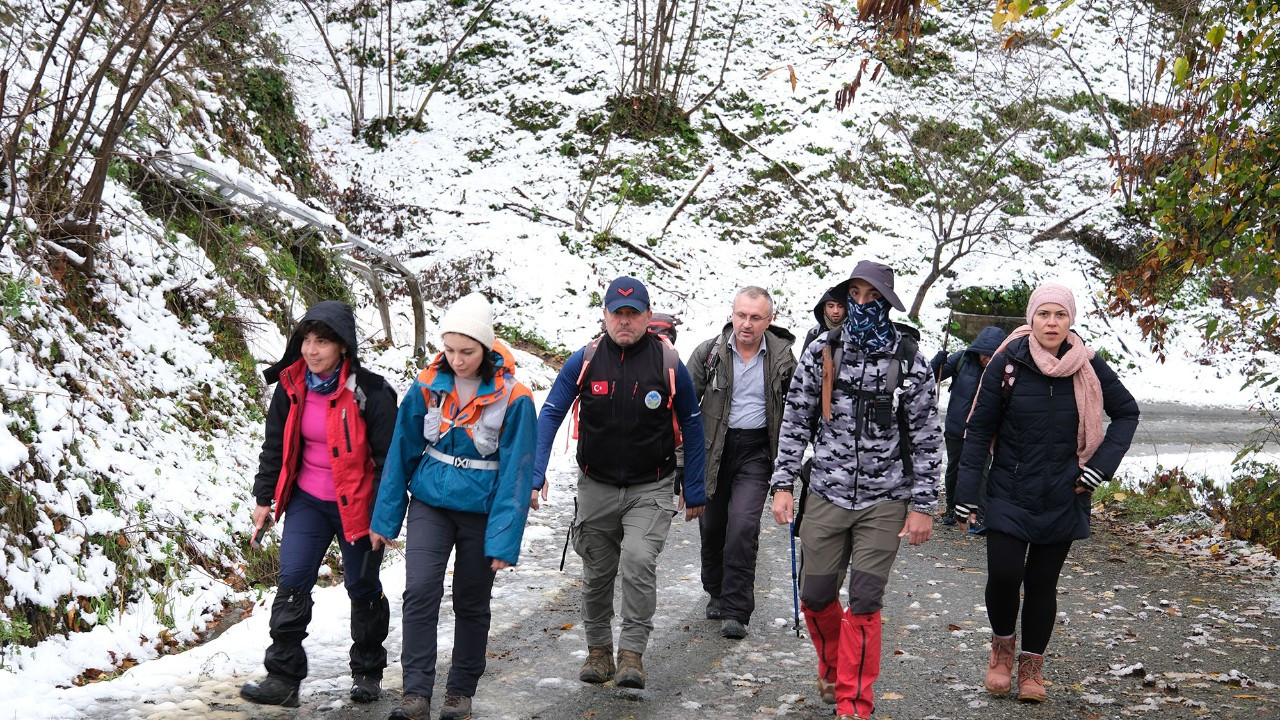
(741, 378)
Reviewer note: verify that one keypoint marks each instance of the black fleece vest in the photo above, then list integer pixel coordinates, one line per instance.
(625, 433)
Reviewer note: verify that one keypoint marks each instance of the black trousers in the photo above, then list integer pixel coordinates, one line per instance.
(730, 525)
(1013, 566)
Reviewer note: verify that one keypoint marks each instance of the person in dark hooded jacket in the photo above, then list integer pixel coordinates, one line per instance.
(964, 367)
(829, 312)
(327, 432)
(1038, 417)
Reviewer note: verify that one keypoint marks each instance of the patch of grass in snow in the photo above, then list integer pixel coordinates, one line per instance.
(375, 132)
(14, 295)
(1167, 493)
(534, 115)
(300, 261)
(921, 64)
(1248, 507)
(267, 95)
(647, 118)
(533, 343)
(14, 630)
(775, 172)
(451, 278)
(1254, 510)
(23, 527)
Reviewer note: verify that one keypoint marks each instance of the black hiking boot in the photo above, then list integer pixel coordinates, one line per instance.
(274, 690)
(713, 608)
(733, 629)
(365, 688)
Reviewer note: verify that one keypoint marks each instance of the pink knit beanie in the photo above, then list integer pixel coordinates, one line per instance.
(1052, 293)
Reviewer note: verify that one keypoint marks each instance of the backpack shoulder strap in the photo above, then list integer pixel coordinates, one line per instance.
(832, 354)
(670, 363)
(903, 358)
(712, 360)
(588, 352)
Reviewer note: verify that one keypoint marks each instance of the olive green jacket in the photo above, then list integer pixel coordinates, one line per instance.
(712, 368)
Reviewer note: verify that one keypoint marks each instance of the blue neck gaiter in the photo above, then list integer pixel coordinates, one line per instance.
(324, 386)
(868, 324)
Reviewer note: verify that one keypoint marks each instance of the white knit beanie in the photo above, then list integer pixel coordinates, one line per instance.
(471, 315)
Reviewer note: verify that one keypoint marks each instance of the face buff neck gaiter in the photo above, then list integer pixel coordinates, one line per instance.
(869, 325)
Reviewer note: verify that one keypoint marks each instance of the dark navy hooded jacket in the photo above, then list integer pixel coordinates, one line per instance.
(965, 369)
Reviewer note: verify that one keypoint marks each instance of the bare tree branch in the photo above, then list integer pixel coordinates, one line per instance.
(762, 154)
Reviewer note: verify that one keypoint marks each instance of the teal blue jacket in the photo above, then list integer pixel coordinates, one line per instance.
(502, 494)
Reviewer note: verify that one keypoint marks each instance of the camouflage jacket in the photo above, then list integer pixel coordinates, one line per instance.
(857, 470)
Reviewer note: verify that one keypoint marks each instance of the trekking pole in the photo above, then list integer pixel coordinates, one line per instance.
(795, 582)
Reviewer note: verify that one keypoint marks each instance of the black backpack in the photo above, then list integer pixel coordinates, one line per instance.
(664, 326)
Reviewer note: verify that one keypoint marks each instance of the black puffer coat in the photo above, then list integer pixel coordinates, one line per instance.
(1031, 489)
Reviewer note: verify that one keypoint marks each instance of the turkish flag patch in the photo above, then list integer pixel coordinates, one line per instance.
(600, 387)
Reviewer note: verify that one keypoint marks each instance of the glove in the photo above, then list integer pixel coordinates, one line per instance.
(679, 481)
(936, 363)
(1090, 478)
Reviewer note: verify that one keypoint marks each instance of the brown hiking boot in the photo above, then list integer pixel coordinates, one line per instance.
(456, 707)
(630, 670)
(412, 707)
(1030, 679)
(1000, 665)
(827, 690)
(598, 667)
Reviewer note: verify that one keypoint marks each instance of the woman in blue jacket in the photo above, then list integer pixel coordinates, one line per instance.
(461, 466)
(1038, 414)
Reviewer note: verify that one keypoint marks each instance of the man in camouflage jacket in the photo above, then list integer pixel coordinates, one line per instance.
(861, 499)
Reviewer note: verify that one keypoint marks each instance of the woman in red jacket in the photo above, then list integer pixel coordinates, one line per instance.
(328, 429)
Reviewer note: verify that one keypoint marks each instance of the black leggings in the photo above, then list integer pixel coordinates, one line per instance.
(1014, 565)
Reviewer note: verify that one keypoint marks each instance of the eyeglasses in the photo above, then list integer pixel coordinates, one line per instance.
(753, 319)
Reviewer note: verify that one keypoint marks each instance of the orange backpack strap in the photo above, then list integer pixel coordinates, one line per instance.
(588, 353)
(670, 362)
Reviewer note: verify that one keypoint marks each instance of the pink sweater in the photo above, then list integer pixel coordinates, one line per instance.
(315, 477)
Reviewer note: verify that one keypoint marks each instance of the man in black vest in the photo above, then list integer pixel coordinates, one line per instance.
(632, 391)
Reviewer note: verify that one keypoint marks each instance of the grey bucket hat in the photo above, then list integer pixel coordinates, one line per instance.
(881, 278)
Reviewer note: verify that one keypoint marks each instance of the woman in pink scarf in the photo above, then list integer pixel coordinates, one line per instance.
(1038, 412)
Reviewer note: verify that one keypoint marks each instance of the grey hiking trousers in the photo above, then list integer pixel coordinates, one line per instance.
(619, 531)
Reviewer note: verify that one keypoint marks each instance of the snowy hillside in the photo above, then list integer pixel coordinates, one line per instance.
(132, 409)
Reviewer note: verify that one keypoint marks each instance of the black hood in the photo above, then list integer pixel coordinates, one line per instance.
(830, 294)
(340, 319)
